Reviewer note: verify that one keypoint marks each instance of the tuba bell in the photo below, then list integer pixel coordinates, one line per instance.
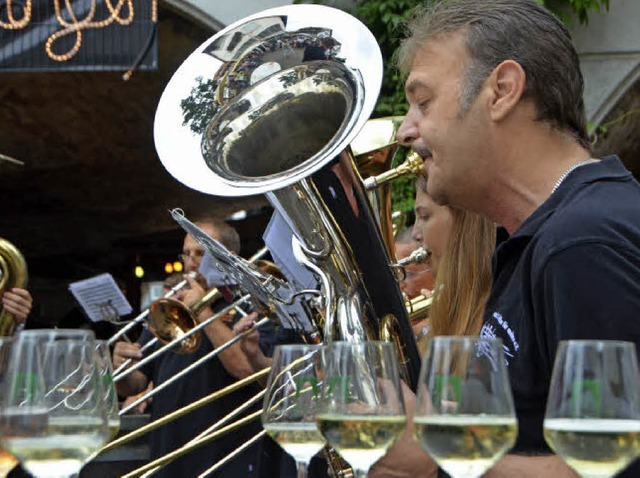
(269, 106)
(13, 273)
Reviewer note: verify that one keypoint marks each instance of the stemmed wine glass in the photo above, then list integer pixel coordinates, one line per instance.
(593, 410)
(291, 399)
(465, 417)
(362, 412)
(53, 416)
(7, 460)
(110, 395)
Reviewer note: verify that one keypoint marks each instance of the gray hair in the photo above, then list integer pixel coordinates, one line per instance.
(499, 30)
(227, 235)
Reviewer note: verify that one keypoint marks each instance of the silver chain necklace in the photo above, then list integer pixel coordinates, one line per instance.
(568, 171)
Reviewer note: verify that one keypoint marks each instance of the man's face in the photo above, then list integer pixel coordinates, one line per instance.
(192, 254)
(192, 251)
(449, 141)
(432, 228)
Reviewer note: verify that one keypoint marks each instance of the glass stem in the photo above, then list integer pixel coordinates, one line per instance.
(302, 468)
(360, 473)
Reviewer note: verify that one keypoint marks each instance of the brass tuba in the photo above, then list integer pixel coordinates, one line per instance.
(13, 273)
(270, 106)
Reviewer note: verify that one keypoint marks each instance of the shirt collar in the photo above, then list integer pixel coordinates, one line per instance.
(609, 167)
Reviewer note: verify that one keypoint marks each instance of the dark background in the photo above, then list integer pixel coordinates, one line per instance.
(92, 196)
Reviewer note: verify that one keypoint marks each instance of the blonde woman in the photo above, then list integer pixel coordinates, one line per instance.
(461, 244)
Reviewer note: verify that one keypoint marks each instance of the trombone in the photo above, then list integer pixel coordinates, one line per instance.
(213, 432)
(143, 315)
(174, 324)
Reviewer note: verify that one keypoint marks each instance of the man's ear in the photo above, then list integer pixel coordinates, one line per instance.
(507, 81)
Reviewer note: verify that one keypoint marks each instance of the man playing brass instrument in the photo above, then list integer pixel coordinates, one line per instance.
(497, 114)
(229, 366)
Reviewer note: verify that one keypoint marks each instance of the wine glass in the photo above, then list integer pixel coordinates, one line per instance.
(289, 412)
(362, 412)
(593, 410)
(465, 417)
(110, 396)
(53, 415)
(7, 460)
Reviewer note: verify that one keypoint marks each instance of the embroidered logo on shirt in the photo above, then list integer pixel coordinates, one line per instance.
(489, 331)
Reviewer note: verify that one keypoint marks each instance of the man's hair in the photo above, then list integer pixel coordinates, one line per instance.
(499, 30)
(228, 236)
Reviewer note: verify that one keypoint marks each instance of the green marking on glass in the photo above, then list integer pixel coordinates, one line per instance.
(25, 385)
(448, 388)
(339, 386)
(586, 397)
(304, 382)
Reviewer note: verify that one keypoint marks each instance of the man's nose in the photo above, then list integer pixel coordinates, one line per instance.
(191, 264)
(407, 132)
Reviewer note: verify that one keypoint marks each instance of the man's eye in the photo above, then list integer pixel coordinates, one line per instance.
(423, 105)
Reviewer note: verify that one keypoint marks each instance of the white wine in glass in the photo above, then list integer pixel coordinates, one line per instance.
(465, 417)
(53, 416)
(593, 411)
(290, 404)
(362, 411)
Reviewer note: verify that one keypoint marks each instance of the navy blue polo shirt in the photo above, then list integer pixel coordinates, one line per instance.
(571, 271)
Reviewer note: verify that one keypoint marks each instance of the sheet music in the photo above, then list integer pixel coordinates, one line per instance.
(273, 292)
(214, 276)
(100, 298)
(277, 237)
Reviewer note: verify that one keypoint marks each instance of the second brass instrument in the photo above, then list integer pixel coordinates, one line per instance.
(13, 273)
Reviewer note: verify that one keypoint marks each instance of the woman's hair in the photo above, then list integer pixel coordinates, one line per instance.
(464, 273)
(464, 276)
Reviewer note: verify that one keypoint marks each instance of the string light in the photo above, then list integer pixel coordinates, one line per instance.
(177, 266)
(116, 14)
(168, 267)
(17, 24)
(139, 272)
